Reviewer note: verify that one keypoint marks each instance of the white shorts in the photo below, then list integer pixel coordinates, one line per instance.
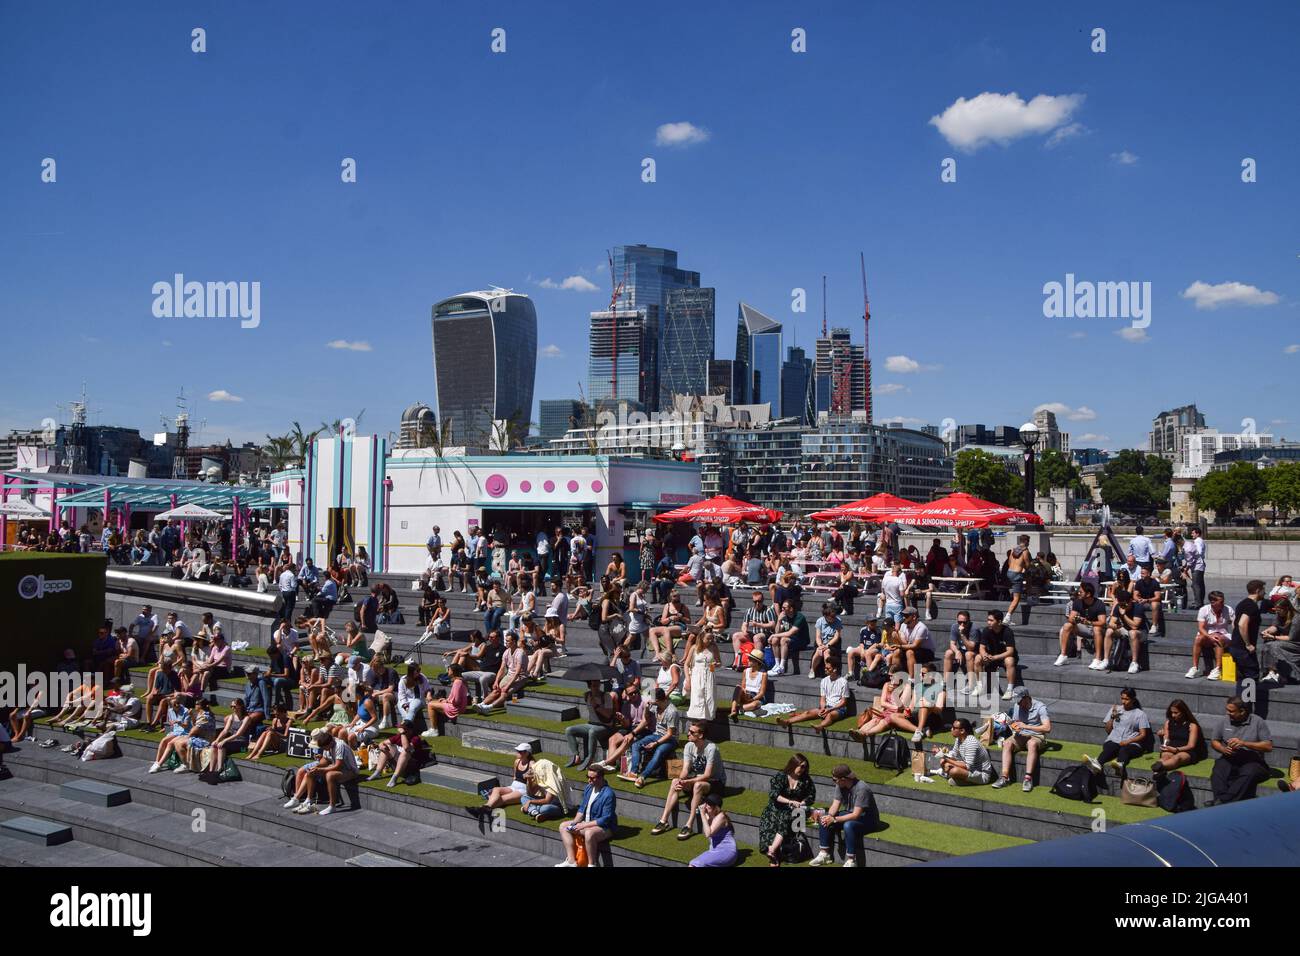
(364, 733)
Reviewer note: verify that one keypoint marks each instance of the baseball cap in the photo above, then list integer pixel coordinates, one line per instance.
(524, 748)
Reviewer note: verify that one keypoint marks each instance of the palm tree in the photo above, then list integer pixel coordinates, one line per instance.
(278, 451)
(301, 440)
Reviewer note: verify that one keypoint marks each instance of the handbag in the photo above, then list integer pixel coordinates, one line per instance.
(1138, 792)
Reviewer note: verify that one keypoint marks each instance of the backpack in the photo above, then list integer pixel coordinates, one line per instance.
(1077, 783)
(1174, 795)
(875, 679)
(1120, 653)
(891, 754)
(289, 782)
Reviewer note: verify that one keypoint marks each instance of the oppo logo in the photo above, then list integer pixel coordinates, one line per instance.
(36, 586)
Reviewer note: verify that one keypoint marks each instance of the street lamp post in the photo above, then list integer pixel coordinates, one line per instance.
(1029, 436)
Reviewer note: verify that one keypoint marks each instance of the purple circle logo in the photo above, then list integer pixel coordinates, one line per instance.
(598, 486)
(573, 486)
(525, 486)
(496, 485)
(549, 486)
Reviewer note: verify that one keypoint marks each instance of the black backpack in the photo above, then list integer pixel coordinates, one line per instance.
(1077, 783)
(892, 753)
(289, 782)
(1174, 795)
(875, 679)
(1120, 654)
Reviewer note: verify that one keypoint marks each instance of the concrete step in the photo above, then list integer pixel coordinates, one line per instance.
(458, 778)
(94, 792)
(536, 706)
(376, 860)
(15, 852)
(34, 830)
(501, 742)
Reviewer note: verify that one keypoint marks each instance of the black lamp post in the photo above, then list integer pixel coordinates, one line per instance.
(1029, 436)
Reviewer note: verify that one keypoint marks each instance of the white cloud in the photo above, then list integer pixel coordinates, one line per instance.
(680, 134)
(221, 395)
(903, 420)
(1078, 335)
(889, 388)
(1066, 132)
(349, 346)
(551, 352)
(167, 343)
(1003, 117)
(1206, 296)
(1081, 414)
(1124, 158)
(1291, 349)
(1130, 334)
(571, 284)
(903, 365)
(1089, 437)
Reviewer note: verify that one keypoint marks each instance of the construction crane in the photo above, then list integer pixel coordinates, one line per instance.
(866, 337)
(616, 291)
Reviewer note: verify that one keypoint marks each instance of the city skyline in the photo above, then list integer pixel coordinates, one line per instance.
(1106, 180)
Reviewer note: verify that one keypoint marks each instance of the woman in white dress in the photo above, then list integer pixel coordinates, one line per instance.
(699, 664)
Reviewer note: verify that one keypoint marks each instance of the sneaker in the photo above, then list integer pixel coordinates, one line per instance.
(917, 737)
(565, 863)
(1152, 629)
(308, 807)
(684, 833)
(812, 675)
(750, 713)
(326, 812)
(181, 769)
(392, 782)
(659, 828)
(385, 724)
(1269, 678)
(1027, 785)
(1192, 673)
(1133, 668)
(47, 743)
(292, 804)
(952, 781)
(821, 859)
(1001, 782)
(850, 862)
(1092, 762)
(922, 778)
(775, 671)
(1213, 675)
(1061, 661)
(1007, 694)
(429, 733)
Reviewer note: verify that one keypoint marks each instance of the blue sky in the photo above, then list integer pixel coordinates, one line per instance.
(477, 168)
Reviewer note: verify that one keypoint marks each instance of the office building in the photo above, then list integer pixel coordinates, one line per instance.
(840, 370)
(844, 460)
(1051, 438)
(1168, 430)
(686, 346)
(723, 380)
(758, 358)
(1201, 450)
(557, 415)
(622, 358)
(645, 277)
(797, 387)
(485, 362)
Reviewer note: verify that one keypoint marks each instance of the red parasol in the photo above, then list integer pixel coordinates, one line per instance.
(866, 509)
(961, 510)
(721, 510)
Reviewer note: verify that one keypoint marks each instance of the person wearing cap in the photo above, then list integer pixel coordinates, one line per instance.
(1030, 724)
(337, 766)
(518, 788)
(915, 644)
(852, 811)
(718, 828)
(751, 693)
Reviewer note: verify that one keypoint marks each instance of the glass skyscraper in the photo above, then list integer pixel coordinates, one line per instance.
(797, 386)
(484, 361)
(758, 352)
(686, 346)
(649, 275)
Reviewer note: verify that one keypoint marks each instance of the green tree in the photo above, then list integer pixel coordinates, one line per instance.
(1283, 487)
(985, 476)
(1127, 462)
(1055, 470)
(1230, 491)
(1126, 491)
(278, 451)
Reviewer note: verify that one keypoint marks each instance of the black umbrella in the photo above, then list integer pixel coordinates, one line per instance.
(591, 671)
